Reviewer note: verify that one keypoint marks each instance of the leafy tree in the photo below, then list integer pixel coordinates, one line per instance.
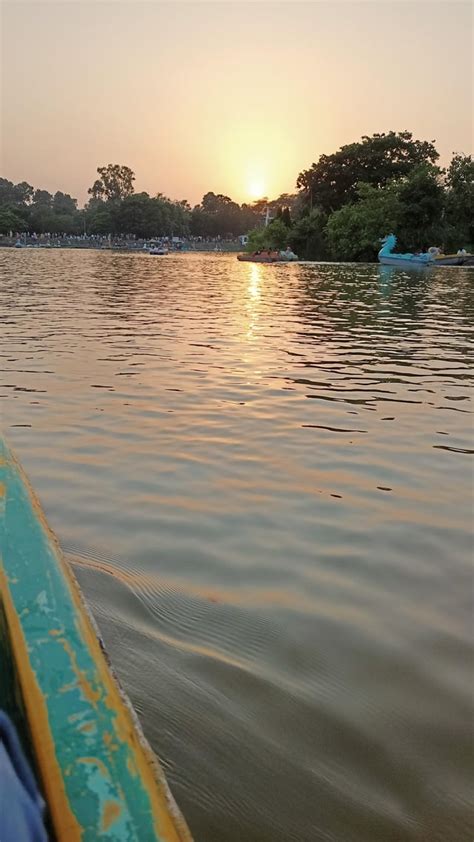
(354, 231)
(11, 220)
(42, 199)
(7, 191)
(459, 202)
(99, 219)
(218, 215)
(115, 183)
(212, 203)
(23, 193)
(15, 194)
(332, 181)
(136, 216)
(421, 201)
(275, 236)
(308, 236)
(63, 203)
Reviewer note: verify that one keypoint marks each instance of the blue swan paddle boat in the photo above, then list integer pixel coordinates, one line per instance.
(387, 258)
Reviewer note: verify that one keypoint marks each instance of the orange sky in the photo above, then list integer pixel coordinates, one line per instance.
(231, 97)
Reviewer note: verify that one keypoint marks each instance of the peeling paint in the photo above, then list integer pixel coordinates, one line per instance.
(99, 776)
(110, 815)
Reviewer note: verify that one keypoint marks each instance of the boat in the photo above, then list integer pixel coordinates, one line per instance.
(286, 256)
(158, 250)
(94, 768)
(155, 248)
(388, 258)
(459, 259)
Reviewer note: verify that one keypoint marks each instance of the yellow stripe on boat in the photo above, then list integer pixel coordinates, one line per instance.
(98, 774)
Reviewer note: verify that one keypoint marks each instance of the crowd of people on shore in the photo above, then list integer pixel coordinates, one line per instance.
(103, 241)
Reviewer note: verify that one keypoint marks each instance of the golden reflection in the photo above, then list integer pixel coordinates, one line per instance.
(253, 300)
(254, 281)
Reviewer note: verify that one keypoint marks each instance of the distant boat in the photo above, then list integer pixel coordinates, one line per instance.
(155, 248)
(19, 245)
(98, 775)
(158, 250)
(459, 259)
(286, 256)
(388, 258)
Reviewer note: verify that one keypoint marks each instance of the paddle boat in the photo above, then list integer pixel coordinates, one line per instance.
(158, 250)
(268, 256)
(461, 258)
(388, 258)
(95, 770)
(155, 248)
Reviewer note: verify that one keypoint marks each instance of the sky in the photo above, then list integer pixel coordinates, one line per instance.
(232, 97)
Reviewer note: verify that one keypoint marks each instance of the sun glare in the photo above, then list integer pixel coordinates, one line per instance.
(256, 188)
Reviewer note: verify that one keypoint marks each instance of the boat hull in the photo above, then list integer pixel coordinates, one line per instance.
(97, 773)
(250, 258)
(404, 263)
(455, 260)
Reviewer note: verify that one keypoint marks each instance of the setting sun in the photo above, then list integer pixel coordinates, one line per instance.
(256, 188)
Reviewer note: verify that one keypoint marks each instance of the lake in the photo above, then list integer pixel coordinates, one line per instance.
(262, 476)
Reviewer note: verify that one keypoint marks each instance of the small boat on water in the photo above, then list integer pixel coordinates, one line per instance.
(158, 250)
(433, 257)
(267, 256)
(388, 258)
(155, 248)
(462, 258)
(96, 771)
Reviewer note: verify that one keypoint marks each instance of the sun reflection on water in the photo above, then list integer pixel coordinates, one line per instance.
(253, 300)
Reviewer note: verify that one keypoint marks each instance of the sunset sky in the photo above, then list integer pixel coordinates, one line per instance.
(231, 97)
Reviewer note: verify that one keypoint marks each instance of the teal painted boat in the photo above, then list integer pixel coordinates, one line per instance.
(96, 771)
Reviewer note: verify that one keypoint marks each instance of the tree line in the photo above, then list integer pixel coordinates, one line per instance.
(114, 208)
(381, 184)
(343, 204)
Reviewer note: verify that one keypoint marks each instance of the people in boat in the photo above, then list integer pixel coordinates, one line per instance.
(461, 252)
(288, 253)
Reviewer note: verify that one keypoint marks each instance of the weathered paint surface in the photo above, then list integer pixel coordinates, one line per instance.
(99, 776)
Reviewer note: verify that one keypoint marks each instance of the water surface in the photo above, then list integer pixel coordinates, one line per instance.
(263, 478)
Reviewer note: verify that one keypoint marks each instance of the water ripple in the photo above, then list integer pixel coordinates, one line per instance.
(283, 582)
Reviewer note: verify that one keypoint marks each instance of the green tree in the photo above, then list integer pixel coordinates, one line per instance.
(308, 236)
(15, 194)
(63, 203)
(354, 231)
(136, 216)
(275, 236)
(218, 215)
(332, 181)
(421, 200)
(42, 199)
(99, 218)
(115, 182)
(11, 219)
(41, 217)
(23, 193)
(459, 202)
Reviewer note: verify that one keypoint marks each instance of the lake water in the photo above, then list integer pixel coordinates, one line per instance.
(262, 476)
